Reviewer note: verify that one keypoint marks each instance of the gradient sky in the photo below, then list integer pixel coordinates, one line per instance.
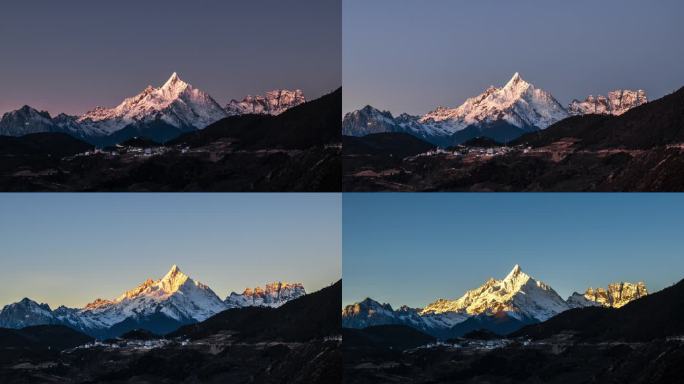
(414, 248)
(72, 248)
(70, 56)
(413, 55)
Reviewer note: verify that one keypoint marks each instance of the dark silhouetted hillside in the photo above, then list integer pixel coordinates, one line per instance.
(310, 124)
(482, 142)
(315, 315)
(653, 124)
(57, 337)
(42, 144)
(398, 145)
(396, 337)
(655, 316)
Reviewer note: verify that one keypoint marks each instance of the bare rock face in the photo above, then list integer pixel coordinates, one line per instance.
(617, 103)
(368, 313)
(273, 103)
(616, 296)
(26, 313)
(369, 120)
(26, 120)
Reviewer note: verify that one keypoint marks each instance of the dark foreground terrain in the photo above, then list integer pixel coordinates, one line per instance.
(296, 343)
(641, 150)
(547, 361)
(642, 342)
(298, 150)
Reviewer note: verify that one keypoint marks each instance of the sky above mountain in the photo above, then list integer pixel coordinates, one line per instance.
(414, 248)
(73, 248)
(412, 56)
(72, 56)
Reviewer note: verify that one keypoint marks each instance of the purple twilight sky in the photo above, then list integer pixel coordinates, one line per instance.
(70, 56)
(414, 55)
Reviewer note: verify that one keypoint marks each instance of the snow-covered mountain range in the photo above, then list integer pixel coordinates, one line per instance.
(498, 305)
(617, 103)
(502, 114)
(273, 103)
(158, 305)
(616, 296)
(159, 113)
(272, 295)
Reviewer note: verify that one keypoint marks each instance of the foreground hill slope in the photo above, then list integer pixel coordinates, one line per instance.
(397, 337)
(385, 144)
(654, 124)
(315, 315)
(310, 124)
(655, 316)
(42, 144)
(57, 337)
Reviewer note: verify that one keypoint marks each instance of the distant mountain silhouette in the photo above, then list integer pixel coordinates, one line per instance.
(654, 316)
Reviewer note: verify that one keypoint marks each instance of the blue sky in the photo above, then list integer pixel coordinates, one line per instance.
(70, 56)
(414, 248)
(72, 248)
(414, 55)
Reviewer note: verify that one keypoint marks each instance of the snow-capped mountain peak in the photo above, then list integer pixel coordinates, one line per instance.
(173, 280)
(515, 279)
(518, 103)
(518, 294)
(176, 103)
(174, 82)
(175, 295)
(500, 113)
(516, 83)
(515, 273)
